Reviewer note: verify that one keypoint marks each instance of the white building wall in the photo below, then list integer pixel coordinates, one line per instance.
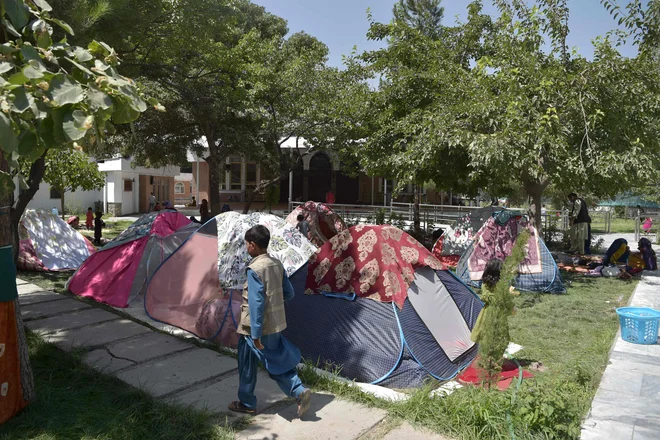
(76, 202)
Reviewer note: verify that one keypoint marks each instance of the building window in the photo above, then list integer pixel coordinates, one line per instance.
(54, 193)
(179, 188)
(128, 185)
(235, 170)
(251, 177)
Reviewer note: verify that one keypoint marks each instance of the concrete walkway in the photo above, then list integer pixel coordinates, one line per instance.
(180, 372)
(627, 404)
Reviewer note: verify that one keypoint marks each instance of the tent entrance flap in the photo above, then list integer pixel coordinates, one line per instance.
(437, 309)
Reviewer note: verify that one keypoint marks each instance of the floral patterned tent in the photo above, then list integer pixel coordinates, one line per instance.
(286, 244)
(376, 262)
(324, 223)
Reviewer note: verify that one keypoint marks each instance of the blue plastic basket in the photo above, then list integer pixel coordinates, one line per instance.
(639, 325)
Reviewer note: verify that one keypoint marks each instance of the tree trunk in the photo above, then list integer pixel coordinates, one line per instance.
(250, 195)
(7, 238)
(62, 203)
(37, 171)
(538, 218)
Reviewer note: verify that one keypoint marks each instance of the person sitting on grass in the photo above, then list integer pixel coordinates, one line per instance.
(262, 321)
(302, 226)
(98, 226)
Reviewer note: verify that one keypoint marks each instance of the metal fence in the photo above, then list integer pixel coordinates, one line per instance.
(438, 216)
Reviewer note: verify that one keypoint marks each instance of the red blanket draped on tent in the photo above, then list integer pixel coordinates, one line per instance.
(376, 262)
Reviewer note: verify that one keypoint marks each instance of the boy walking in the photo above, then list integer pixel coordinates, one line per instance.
(262, 321)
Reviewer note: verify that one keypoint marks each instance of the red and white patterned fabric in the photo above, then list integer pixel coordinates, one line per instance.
(324, 223)
(376, 262)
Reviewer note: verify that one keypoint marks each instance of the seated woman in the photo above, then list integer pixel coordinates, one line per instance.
(645, 259)
(617, 253)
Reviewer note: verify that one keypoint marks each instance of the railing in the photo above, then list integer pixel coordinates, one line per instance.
(437, 216)
(639, 230)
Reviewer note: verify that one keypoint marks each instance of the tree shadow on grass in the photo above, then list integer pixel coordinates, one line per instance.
(75, 401)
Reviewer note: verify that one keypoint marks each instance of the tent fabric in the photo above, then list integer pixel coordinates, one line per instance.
(537, 273)
(116, 274)
(495, 240)
(198, 287)
(48, 243)
(286, 244)
(367, 340)
(324, 223)
(376, 342)
(378, 262)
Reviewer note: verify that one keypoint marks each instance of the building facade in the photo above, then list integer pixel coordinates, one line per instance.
(128, 187)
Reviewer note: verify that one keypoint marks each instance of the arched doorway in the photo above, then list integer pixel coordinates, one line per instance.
(320, 177)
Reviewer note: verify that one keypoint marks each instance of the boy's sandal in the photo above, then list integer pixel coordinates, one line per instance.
(238, 407)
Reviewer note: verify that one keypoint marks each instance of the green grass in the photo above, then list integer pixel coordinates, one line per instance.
(112, 229)
(77, 402)
(617, 226)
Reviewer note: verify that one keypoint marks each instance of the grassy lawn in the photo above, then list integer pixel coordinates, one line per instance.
(76, 402)
(112, 229)
(618, 225)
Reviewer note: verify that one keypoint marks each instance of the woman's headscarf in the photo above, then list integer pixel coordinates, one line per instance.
(648, 254)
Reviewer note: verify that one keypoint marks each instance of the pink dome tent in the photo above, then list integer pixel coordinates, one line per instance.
(117, 274)
(324, 223)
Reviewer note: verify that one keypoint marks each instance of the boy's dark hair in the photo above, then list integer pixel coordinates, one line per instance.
(572, 195)
(258, 235)
(300, 217)
(89, 209)
(491, 273)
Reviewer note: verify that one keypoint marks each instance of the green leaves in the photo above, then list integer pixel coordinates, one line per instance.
(65, 90)
(76, 123)
(98, 100)
(8, 140)
(124, 113)
(18, 13)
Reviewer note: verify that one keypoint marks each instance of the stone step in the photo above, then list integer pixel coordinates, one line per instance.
(407, 432)
(51, 308)
(26, 289)
(119, 355)
(327, 419)
(20, 282)
(71, 321)
(216, 397)
(178, 371)
(96, 335)
(39, 297)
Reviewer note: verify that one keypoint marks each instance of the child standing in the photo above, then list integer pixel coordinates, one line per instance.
(302, 226)
(89, 221)
(647, 225)
(98, 226)
(262, 321)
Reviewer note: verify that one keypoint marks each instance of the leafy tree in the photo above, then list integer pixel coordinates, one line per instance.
(543, 117)
(410, 121)
(68, 170)
(51, 94)
(197, 60)
(425, 15)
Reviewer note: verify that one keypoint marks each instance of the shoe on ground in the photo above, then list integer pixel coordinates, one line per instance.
(303, 402)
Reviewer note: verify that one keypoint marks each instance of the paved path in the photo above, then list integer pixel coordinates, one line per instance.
(627, 404)
(180, 372)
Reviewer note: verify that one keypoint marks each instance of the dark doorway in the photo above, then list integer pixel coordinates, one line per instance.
(320, 177)
(348, 189)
